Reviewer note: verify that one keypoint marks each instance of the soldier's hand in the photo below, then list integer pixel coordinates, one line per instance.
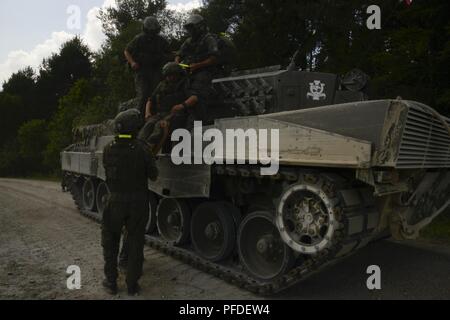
(164, 124)
(193, 67)
(177, 108)
(135, 66)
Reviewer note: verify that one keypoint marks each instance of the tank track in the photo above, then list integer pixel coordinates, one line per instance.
(359, 219)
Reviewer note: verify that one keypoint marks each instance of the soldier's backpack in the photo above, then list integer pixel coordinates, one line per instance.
(227, 52)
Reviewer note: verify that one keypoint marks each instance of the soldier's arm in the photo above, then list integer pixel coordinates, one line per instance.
(212, 60)
(148, 109)
(105, 156)
(150, 163)
(130, 60)
(213, 51)
(181, 53)
(190, 102)
(178, 58)
(129, 50)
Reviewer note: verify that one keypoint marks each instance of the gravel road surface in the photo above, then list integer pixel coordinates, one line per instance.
(42, 233)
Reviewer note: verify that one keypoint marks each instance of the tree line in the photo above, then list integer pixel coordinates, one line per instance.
(409, 57)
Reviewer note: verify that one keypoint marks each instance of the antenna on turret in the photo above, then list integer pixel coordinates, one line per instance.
(293, 65)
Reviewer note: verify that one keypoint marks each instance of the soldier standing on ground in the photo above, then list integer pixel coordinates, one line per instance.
(200, 52)
(146, 54)
(128, 165)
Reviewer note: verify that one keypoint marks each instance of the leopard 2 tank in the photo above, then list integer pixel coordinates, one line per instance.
(350, 171)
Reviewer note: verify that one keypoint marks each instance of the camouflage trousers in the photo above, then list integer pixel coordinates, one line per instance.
(152, 132)
(201, 86)
(133, 215)
(145, 84)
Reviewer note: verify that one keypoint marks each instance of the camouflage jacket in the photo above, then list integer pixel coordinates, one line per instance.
(149, 53)
(128, 164)
(197, 51)
(167, 95)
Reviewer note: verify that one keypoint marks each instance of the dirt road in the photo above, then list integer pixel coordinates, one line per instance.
(41, 234)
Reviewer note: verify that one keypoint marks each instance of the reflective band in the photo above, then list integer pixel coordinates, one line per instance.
(125, 136)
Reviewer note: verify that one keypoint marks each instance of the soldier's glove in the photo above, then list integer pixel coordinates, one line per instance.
(194, 67)
(135, 66)
(163, 124)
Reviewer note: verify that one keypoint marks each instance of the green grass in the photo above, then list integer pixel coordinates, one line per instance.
(439, 229)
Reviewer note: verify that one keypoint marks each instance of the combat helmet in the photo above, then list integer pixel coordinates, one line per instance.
(151, 26)
(195, 25)
(128, 122)
(172, 68)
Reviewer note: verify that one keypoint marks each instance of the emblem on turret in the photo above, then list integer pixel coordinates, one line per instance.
(316, 89)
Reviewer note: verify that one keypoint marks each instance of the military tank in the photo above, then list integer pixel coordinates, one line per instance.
(351, 171)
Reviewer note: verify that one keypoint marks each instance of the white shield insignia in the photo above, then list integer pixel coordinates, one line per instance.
(316, 91)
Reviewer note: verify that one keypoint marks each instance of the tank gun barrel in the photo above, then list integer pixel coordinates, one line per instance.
(293, 64)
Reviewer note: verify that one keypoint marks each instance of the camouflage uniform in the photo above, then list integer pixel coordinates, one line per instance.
(165, 97)
(128, 165)
(150, 52)
(195, 51)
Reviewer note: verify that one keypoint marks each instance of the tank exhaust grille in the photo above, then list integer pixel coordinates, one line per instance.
(425, 142)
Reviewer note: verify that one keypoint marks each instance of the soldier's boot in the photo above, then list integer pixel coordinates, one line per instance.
(110, 286)
(136, 239)
(134, 290)
(110, 244)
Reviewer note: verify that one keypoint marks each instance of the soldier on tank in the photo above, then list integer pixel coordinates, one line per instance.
(169, 106)
(128, 166)
(146, 54)
(167, 109)
(200, 54)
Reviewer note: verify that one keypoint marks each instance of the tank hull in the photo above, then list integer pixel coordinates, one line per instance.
(348, 174)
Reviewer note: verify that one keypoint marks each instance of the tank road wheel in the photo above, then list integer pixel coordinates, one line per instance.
(173, 220)
(152, 207)
(261, 249)
(213, 231)
(102, 197)
(88, 194)
(308, 215)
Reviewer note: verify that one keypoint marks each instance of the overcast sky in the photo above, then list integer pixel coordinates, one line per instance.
(31, 30)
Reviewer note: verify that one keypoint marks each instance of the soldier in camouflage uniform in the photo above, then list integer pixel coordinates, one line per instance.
(200, 52)
(146, 54)
(128, 166)
(167, 109)
(169, 106)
